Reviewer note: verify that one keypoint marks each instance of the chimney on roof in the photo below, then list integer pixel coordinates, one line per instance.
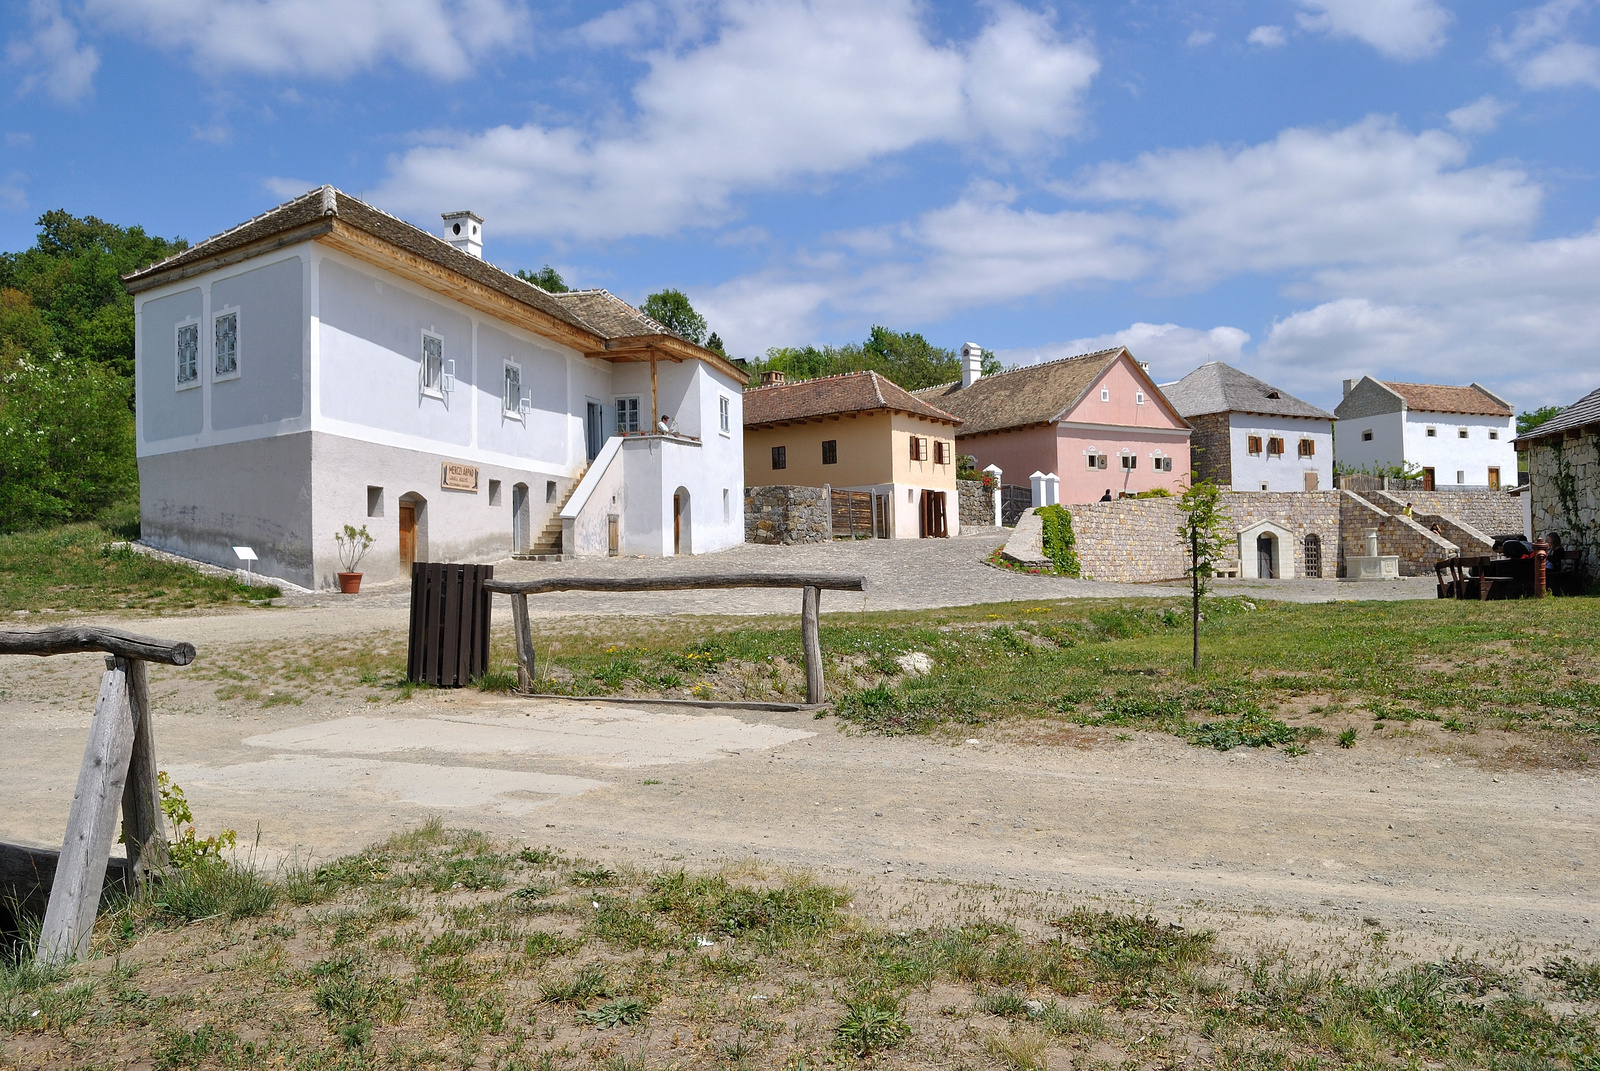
(1144, 366)
(772, 379)
(1349, 385)
(464, 230)
(971, 363)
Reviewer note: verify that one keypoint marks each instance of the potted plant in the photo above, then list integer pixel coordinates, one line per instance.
(353, 546)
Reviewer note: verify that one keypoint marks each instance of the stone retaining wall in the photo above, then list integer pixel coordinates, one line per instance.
(1491, 513)
(1129, 540)
(1582, 460)
(784, 513)
(1417, 548)
(976, 505)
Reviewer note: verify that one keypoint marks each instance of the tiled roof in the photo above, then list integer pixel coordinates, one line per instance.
(1584, 411)
(854, 392)
(1434, 398)
(1216, 387)
(1037, 394)
(595, 311)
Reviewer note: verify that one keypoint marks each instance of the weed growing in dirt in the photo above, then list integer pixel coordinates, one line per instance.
(376, 960)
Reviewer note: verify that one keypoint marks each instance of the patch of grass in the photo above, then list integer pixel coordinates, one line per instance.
(496, 680)
(1347, 737)
(74, 567)
(1580, 980)
(624, 1011)
(871, 1023)
(213, 889)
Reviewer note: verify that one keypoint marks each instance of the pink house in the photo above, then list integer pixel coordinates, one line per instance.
(1098, 421)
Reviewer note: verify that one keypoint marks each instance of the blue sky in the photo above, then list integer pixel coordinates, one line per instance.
(1308, 189)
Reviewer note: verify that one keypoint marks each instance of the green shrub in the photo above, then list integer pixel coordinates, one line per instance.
(872, 1022)
(1060, 545)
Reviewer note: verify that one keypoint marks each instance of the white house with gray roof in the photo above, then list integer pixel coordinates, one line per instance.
(328, 364)
(1250, 435)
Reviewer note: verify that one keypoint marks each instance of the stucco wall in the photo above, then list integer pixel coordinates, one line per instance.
(1288, 471)
(203, 503)
(864, 445)
(1019, 452)
(1079, 483)
(1451, 456)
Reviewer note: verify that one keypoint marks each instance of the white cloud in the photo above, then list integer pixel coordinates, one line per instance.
(1543, 50)
(1171, 351)
(13, 191)
(51, 57)
(779, 94)
(287, 188)
(1370, 192)
(1479, 117)
(19, 139)
(1200, 38)
(321, 38)
(1399, 29)
(1268, 37)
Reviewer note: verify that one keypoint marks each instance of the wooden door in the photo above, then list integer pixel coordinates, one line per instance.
(1494, 479)
(1311, 481)
(677, 524)
(1427, 479)
(408, 536)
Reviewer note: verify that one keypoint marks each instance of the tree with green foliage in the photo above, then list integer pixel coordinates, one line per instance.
(672, 310)
(714, 344)
(546, 279)
(905, 357)
(1205, 530)
(1526, 422)
(73, 277)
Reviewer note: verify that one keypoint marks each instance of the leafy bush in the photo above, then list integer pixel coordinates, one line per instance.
(1060, 545)
(186, 850)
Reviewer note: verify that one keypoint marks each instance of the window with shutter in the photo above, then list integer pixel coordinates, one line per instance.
(1254, 445)
(1274, 447)
(226, 351)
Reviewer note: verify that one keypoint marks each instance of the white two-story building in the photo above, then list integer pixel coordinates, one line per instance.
(1250, 435)
(328, 364)
(1460, 437)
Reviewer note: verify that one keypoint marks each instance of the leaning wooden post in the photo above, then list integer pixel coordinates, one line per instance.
(811, 642)
(142, 827)
(523, 638)
(91, 826)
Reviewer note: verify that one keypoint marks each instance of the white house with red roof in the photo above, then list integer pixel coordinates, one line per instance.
(1460, 437)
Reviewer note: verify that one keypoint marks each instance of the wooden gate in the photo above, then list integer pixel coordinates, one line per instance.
(1014, 502)
(449, 644)
(852, 514)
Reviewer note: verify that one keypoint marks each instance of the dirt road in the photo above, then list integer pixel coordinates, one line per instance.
(1397, 834)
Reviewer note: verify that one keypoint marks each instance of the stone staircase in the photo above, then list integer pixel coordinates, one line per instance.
(546, 546)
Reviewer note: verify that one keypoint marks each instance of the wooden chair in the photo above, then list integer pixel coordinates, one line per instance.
(1455, 586)
(1496, 578)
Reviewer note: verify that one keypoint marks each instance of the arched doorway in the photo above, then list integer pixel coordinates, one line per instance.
(413, 531)
(682, 542)
(1267, 556)
(520, 522)
(1313, 555)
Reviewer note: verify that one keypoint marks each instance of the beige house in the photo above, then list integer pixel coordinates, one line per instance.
(858, 433)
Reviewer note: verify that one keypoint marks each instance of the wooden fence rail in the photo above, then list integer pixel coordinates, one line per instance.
(118, 772)
(811, 585)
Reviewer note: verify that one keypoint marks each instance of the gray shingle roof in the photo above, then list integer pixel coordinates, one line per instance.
(1216, 387)
(1584, 411)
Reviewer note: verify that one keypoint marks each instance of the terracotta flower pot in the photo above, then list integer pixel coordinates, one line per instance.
(349, 583)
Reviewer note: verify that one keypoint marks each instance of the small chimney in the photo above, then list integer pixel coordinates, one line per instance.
(464, 230)
(971, 364)
(1349, 385)
(1144, 366)
(772, 379)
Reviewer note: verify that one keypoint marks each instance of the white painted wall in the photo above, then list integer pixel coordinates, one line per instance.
(1286, 473)
(1387, 446)
(1448, 454)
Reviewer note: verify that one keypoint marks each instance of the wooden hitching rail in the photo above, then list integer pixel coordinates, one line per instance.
(811, 585)
(119, 770)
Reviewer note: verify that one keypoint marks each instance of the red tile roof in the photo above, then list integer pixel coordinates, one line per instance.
(853, 392)
(1434, 398)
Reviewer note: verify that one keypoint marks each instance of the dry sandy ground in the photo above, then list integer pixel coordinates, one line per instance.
(1390, 834)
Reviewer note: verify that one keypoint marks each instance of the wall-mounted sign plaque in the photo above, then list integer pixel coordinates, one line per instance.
(458, 477)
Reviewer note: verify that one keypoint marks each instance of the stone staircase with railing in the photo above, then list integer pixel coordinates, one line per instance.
(546, 546)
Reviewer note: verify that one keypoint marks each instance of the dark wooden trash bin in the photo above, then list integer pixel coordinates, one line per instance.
(449, 623)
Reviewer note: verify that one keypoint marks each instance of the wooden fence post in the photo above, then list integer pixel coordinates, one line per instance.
(91, 826)
(142, 826)
(811, 642)
(523, 637)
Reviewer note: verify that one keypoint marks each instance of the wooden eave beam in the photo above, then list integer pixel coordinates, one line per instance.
(454, 285)
(664, 348)
(258, 248)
